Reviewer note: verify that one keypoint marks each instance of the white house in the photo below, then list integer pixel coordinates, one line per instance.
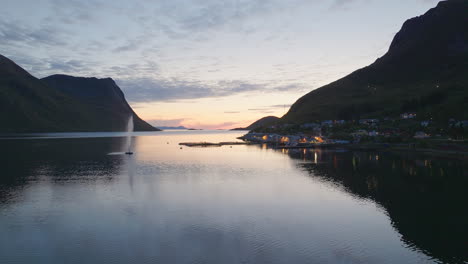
(421, 134)
(408, 115)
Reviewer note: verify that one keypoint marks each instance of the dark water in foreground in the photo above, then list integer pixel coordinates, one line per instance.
(65, 200)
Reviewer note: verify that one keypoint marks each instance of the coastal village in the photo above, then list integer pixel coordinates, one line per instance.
(404, 131)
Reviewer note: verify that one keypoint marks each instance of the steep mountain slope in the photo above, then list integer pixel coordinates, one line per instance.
(28, 104)
(425, 71)
(103, 96)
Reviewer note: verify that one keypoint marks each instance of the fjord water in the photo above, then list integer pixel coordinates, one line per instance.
(63, 199)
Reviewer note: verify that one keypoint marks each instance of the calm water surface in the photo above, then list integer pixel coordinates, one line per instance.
(64, 199)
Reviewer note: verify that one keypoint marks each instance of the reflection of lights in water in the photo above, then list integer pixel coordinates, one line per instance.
(315, 157)
(427, 163)
(372, 183)
(376, 157)
(264, 146)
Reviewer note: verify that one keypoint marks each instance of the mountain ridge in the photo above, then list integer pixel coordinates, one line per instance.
(427, 59)
(29, 104)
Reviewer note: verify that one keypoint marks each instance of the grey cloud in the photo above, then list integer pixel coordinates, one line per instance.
(166, 122)
(280, 106)
(269, 109)
(76, 11)
(69, 66)
(130, 46)
(14, 33)
(261, 110)
(40, 67)
(147, 90)
(231, 112)
(185, 19)
(343, 4)
(133, 44)
(126, 71)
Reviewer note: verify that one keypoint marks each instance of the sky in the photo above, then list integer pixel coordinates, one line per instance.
(212, 64)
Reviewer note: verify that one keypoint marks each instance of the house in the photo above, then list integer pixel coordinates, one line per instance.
(421, 134)
(408, 115)
(318, 140)
(463, 124)
(368, 121)
(289, 140)
(310, 125)
(360, 133)
(328, 123)
(338, 141)
(274, 138)
(340, 122)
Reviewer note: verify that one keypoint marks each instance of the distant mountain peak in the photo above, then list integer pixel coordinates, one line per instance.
(439, 27)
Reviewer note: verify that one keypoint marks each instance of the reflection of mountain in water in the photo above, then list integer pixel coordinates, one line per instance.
(83, 159)
(426, 199)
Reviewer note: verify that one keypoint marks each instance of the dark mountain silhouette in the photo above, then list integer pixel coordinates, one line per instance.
(61, 103)
(426, 211)
(424, 71)
(103, 96)
(262, 122)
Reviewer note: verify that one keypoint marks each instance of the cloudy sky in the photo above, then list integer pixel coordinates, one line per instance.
(203, 63)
